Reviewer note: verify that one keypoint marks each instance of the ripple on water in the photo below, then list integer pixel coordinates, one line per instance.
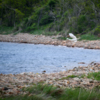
(17, 58)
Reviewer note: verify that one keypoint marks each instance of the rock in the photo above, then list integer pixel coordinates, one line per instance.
(91, 81)
(50, 82)
(5, 88)
(59, 86)
(75, 69)
(81, 63)
(68, 82)
(85, 82)
(76, 79)
(43, 72)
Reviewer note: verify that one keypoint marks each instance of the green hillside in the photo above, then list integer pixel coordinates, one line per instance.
(63, 16)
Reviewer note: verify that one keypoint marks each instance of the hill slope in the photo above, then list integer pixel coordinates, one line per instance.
(78, 16)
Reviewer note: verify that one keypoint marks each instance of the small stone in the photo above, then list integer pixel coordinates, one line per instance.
(68, 82)
(91, 81)
(43, 72)
(81, 63)
(10, 93)
(5, 88)
(85, 82)
(76, 79)
(75, 69)
(51, 82)
(59, 86)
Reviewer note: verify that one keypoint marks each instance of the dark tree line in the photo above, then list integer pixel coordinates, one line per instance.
(78, 16)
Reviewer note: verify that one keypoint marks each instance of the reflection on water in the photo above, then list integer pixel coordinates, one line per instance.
(17, 58)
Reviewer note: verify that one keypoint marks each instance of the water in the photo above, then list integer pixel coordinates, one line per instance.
(17, 58)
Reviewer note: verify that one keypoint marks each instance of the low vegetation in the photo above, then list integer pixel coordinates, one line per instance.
(51, 17)
(45, 92)
(89, 37)
(49, 92)
(6, 30)
(42, 32)
(95, 76)
(70, 76)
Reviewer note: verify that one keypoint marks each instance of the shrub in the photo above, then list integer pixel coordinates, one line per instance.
(88, 37)
(95, 75)
(97, 30)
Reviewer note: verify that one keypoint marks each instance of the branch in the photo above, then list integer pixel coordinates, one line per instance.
(9, 7)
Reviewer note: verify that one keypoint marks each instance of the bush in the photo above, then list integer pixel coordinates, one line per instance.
(46, 19)
(95, 76)
(52, 3)
(82, 23)
(88, 37)
(97, 30)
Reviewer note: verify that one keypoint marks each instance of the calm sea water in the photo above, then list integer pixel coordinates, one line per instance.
(17, 58)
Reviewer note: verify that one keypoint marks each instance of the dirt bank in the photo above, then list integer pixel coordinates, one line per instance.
(52, 40)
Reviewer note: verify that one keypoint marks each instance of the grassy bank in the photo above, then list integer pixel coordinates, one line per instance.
(89, 37)
(40, 92)
(48, 92)
(45, 92)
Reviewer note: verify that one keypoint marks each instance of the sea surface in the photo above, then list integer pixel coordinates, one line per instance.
(19, 57)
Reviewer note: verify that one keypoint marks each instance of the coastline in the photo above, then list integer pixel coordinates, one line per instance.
(51, 40)
(11, 84)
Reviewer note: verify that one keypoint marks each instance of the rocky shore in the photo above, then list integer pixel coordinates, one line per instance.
(12, 84)
(52, 40)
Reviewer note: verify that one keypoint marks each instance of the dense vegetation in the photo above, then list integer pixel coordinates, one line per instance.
(63, 16)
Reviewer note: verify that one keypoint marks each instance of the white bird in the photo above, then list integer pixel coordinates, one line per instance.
(74, 39)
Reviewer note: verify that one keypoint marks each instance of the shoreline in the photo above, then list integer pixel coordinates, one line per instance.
(12, 84)
(48, 40)
(77, 77)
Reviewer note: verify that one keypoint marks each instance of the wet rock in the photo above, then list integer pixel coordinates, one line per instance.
(81, 63)
(43, 72)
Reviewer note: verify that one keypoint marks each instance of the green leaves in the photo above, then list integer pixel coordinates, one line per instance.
(95, 75)
(78, 16)
(97, 30)
(19, 15)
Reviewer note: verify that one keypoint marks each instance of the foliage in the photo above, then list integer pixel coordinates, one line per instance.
(70, 76)
(6, 30)
(88, 37)
(52, 3)
(95, 75)
(47, 92)
(42, 32)
(97, 30)
(77, 16)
